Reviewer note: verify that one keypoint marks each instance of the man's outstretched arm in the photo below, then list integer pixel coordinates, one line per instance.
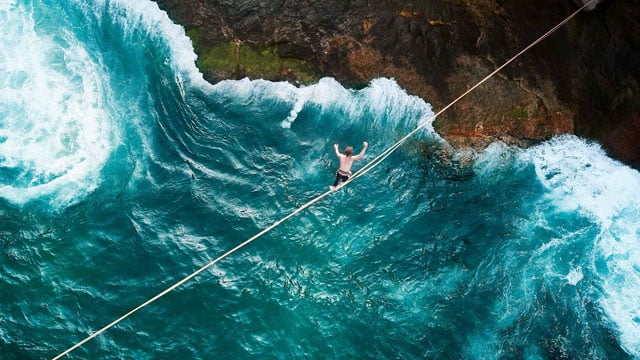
(359, 156)
(335, 147)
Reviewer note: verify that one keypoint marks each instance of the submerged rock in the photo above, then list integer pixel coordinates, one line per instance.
(584, 79)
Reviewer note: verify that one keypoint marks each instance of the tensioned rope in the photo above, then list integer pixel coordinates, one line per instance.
(366, 168)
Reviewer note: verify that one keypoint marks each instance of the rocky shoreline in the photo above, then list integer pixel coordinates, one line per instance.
(584, 79)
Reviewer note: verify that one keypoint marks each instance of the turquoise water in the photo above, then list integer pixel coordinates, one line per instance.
(122, 171)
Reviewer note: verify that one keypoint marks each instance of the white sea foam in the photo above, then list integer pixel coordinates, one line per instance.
(145, 14)
(575, 275)
(383, 102)
(496, 157)
(326, 92)
(580, 177)
(55, 135)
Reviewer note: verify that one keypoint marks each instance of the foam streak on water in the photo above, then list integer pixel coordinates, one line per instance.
(121, 171)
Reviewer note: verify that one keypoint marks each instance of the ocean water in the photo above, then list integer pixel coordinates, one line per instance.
(122, 171)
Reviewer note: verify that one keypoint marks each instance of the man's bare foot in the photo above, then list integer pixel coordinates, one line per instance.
(332, 188)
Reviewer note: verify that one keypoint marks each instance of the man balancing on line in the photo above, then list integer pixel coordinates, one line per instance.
(346, 160)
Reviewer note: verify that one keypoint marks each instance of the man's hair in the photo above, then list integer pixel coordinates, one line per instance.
(348, 151)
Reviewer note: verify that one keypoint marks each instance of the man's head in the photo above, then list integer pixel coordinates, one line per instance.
(348, 151)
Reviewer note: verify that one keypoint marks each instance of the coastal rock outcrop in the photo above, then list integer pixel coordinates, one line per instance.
(584, 79)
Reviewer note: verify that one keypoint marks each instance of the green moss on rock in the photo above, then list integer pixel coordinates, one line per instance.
(236, 59)
(519, 114)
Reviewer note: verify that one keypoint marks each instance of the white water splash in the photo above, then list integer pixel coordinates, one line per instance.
(55, 134)
(580, 177)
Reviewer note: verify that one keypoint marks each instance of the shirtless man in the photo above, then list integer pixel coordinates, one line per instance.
(346, 160)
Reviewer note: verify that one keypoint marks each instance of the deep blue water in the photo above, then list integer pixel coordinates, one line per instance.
(122, 171)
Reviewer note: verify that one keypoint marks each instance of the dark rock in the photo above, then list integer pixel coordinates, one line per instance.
(583, 79)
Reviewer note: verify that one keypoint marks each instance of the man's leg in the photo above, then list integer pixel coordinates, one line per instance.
(340, 180)
(337, 180)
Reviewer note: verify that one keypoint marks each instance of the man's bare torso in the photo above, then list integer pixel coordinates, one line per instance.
(345, 162)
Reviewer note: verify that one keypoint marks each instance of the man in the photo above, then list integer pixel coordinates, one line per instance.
(346, 160)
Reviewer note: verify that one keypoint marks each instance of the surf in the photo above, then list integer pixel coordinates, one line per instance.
(128, 170)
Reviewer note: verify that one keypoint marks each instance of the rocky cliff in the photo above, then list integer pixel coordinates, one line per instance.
(584, 79)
